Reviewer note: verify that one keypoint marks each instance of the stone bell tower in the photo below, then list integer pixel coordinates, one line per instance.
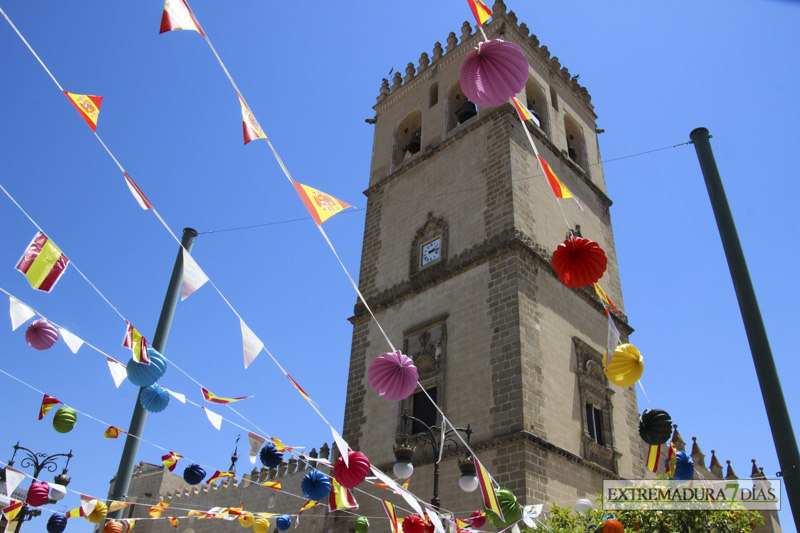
(460, 229)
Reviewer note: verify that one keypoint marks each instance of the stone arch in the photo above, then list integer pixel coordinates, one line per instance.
(456, 113)
(576, 143)
(536, 102)
(407, 137)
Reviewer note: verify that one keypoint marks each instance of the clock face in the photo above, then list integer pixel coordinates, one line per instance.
(431, 251)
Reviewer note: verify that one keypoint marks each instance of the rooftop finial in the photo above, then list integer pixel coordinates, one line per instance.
(466, 31)
(438, 51)
(714, 465)
(498, 8)
(698, 456)
(235, 456)
(677, 440)
(730, 474)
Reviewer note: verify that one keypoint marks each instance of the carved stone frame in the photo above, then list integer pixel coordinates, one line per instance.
(594, 389)
(433, 227)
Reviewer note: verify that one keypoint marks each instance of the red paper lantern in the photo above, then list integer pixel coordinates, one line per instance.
(41, 334)
(37, 493)
(579, 262)
(351, 476)
(477, 519)
(413, 524)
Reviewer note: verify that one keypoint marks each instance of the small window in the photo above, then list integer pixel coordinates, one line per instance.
(424, 410)
(554, 98)
(459, 108)
(594, 422)
(408, 137)
(434, 95)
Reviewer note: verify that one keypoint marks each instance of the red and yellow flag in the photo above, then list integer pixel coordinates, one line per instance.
(604, 297)
(170, 460)
(389, 508)
(112, 433)
(116, 506)
(87, 105)
(42, 263)
(213, 398)
(480, 10)
(321, 206)
(653, 456)
(281, 447)
(522, 111)
(490, 500)
(299, 389)
(173, 521)
(157, 510)
(128, 524)
(274, 485)
(672, 460)
(558, 188)
(340, 498)
(250, 126)
(219, 475)
(47, 403)
(178, 16)
(309, 504)
(137, 343)
(13, 510)
(137, 193)
(75, 513)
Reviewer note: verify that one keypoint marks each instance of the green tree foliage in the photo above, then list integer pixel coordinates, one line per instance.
(566, 520)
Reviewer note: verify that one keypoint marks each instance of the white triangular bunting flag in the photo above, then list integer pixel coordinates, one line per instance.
(20, 313)
(72, 340)
(88, 504)
(214, 418)
(13, 478)
(252, 344)
(433, 516)
(531, 512)
(118, 371)
(177, 395)
(407, 496)
(193, 275)
(515, 529)
(343, 447)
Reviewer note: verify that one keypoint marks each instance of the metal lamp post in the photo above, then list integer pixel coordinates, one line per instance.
(39, 462)
(439, 440)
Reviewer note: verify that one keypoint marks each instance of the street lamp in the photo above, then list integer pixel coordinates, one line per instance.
(39, 462)
(440, 440)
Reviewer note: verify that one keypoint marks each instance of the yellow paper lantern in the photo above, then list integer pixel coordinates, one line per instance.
(626, 366)
(99, 513)
(247, 520)
(261, 525)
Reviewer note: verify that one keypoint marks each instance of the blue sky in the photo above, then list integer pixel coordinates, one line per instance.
(311, 71)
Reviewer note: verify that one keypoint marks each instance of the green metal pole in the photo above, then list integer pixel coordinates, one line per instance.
(777, 413)
(128, 460)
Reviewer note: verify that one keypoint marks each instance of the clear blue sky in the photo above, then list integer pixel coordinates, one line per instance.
(310, 71)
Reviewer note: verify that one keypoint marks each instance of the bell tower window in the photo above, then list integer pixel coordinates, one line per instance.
(408, 137)
(459, 109)
(537, 104)
(576, 144)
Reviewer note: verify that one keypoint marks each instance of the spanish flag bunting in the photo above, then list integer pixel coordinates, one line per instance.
(604, 297)
(274, 485)
(213, 398)
(522, 111)
(170, 460)
(389, 508)
(118, 371)
(559, 189)
(236, 511)
(137, 343)
(178, 16)
(219, 475)
(672, 460)
(128, 524)
(75, 513)
(300, 390)
(462, 523)
(13, 510)
(281, 447)
(47, 403)
(116, 506)
(173, 521)
(653, 456)
(308, 505)
(195, 514)
(255, 442)
(321, 206)
(340, 498)
(42, 263)
(250, 126)
(480, 10)
(137, 193)
(20, 313)
(112, 433)
(490, 500)
(157, 510)
(88, 106)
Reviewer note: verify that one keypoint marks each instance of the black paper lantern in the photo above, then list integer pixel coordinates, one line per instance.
(655, 426)
(194, 474)
(56, 523)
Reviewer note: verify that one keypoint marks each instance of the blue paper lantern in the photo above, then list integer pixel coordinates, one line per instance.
(143, 375)
(316, 485)
(270, 456)
(154, 398)
(57, 523)
(194, 474)
(684, 468)
(283, 522)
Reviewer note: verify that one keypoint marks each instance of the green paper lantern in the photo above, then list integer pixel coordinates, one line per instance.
(64, 420)
(509, 506)
(362, 524)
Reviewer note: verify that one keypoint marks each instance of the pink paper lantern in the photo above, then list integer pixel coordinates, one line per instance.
(41, 334)
(37, 493)
(393, 376)
(351, 476)
(493, 72)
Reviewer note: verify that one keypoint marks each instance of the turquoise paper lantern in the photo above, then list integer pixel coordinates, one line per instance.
(154, 398)
(143, 375)
(316, 485)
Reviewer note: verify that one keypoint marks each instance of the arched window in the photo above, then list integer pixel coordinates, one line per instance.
(459, 108)
(537, 104)
(408, 137)
(576, 143)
